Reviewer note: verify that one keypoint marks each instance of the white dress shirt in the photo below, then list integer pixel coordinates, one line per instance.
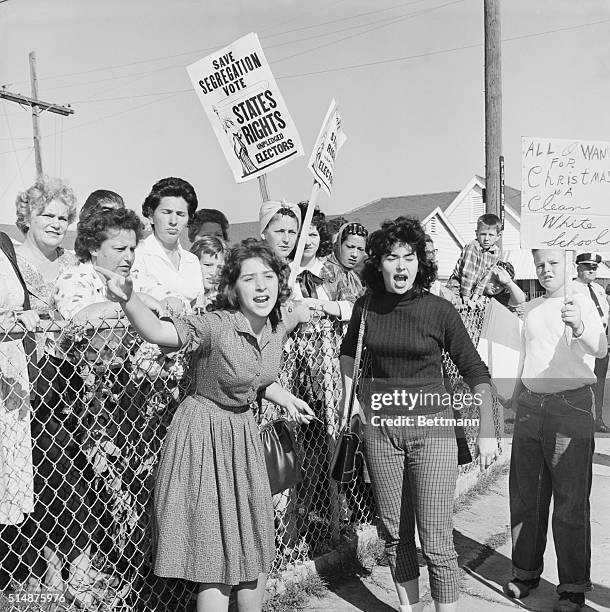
(185, 281)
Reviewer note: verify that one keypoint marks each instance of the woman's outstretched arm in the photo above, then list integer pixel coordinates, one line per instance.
(143, 319)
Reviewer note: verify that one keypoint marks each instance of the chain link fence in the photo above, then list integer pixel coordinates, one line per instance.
(79, 447)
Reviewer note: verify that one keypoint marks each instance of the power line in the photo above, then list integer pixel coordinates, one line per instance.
(373, 63)
(213, 48)
(167, 94)
(385, 24)
(439, 52)
(385, 21)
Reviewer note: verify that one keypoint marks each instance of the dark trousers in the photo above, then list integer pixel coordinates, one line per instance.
(552, 455)
(601, 368)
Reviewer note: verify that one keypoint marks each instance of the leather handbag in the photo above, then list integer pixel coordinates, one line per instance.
(281, 456)
(347, 459)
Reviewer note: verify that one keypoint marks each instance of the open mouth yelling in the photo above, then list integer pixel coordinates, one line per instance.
(400, 280)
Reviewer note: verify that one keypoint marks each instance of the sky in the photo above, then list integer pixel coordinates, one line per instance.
(407, 76)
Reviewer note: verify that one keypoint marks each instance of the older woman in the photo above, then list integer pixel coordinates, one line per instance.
(412, 457)
(16, 476)
(44, 212)
(170, 207)
(95, 439)
(108, 239)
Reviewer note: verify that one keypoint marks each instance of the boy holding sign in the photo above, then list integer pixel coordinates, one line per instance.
(553, 438)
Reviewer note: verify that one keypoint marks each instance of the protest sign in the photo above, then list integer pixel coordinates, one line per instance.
(565, 199)
(322, 165)
(330, 139)
(246, 109)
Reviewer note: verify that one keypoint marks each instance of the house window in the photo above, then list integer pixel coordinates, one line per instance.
(432, 226)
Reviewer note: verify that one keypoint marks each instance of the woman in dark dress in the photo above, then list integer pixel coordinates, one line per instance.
(213, 507)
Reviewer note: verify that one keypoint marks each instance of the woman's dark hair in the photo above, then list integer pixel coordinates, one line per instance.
(92, 231)
(250, 248)
(208, 215)
(353, 229)
(96, 201)
(169, 187)
(319, 222)
(403, 230)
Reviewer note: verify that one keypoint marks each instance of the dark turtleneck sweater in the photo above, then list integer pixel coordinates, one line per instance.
(404, 338)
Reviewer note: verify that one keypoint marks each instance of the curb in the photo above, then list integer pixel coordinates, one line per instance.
(347, 551)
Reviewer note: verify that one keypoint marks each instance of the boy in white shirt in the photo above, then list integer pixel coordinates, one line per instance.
(553, 438)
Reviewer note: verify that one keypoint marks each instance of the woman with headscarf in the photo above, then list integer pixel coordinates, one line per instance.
(279, 223)
(348, 252)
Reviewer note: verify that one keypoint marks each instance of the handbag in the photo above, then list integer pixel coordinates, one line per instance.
(347, 459)
(281, 456)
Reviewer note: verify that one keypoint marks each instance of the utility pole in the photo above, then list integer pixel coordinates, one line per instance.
(493, 107)
(35, 114)
(38, 106)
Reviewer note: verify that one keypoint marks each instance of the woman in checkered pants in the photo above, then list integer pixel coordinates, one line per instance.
(409, 438)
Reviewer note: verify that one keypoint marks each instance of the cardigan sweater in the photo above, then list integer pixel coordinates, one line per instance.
(404, 338)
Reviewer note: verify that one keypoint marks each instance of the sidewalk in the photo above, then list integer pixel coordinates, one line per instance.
(482, 539)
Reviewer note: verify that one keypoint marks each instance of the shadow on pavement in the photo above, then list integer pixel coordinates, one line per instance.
(493, 569)
(358, 595)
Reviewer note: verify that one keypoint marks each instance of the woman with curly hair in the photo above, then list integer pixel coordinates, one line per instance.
(170, 207)
(44, 212)
(81, 438)
(212, 507)
(107, 238)
(413, 463)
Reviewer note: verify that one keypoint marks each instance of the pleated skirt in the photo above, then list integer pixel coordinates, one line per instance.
(213, 510)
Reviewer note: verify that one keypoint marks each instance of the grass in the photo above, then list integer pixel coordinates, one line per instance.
(483, 484)
(295, 595)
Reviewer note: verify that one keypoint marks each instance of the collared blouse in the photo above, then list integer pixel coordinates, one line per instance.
(82, 286)
(233, 365)
(152, 260)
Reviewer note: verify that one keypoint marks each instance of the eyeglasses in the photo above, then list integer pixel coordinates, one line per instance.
(588, 266)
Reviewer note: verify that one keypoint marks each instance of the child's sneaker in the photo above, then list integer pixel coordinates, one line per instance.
(519, 589)
(569, 602)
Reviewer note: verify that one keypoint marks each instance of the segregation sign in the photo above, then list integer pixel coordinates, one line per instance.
(246, 109)
(565, 199)
(330, 139)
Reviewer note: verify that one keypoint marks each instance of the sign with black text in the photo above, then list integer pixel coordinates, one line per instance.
(330, 139)
(246, 109)
(565, 198)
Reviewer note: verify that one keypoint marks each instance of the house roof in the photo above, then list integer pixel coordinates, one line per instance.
(373, 213)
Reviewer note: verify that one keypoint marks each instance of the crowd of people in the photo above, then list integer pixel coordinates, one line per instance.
(232, 311)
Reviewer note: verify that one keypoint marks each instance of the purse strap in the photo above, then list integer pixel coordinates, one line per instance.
(356, 373)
